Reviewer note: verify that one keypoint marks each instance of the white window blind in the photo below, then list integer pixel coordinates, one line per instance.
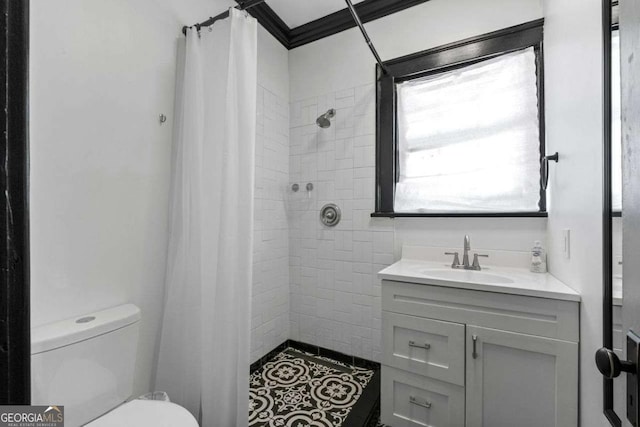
(468, 139)
(616, 124)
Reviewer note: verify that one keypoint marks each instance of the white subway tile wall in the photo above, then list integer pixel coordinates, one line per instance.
(335, 294)
(317, 284)
(270, 301)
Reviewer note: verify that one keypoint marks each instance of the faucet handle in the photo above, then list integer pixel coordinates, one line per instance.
(456, 259)
(476, 262)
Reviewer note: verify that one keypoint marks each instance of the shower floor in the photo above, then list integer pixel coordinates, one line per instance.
(297, 388)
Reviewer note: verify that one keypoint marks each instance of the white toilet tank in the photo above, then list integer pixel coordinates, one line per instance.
(85, 363)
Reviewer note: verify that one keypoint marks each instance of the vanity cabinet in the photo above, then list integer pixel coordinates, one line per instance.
(458, 357)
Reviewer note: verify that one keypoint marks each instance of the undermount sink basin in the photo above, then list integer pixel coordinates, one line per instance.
(466, 276)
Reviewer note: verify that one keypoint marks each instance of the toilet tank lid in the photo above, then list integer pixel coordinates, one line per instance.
(65, 332)
(146, 413)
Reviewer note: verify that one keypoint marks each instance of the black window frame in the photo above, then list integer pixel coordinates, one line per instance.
(434, 61)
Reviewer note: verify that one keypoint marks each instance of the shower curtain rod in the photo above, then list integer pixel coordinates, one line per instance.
(243, 6)
(366, 36)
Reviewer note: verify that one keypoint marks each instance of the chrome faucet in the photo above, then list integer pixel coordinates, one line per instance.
(465, 257)
(467, 248)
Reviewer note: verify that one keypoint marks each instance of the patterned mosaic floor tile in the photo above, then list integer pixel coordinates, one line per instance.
(297, 389)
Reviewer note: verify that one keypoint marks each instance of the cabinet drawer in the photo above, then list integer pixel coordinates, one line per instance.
(528, 315)
(410, 400)
(427, 347)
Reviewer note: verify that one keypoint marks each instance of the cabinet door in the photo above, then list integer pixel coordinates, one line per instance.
(520, 380)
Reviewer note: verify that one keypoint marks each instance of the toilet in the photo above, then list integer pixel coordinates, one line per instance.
(87, 365)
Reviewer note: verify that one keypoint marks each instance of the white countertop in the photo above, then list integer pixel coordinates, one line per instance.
(524, 282)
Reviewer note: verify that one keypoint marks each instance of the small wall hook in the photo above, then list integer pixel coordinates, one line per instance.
(544, 169)
(553, 157)
(162, 118)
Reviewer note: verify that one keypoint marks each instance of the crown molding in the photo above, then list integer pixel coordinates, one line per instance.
(291, 38)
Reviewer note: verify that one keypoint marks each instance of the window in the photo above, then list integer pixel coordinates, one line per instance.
(460, 129)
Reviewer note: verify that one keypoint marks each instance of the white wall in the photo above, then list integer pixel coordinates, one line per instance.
(101, 73)
(270, 308)
(335, 295)
(573, 96)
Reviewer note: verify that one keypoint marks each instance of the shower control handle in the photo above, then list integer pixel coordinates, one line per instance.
(330, 215)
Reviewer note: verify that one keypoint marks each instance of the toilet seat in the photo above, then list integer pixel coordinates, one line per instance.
(146, 413)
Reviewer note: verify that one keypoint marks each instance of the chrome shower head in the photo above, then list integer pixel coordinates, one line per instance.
(323, 121)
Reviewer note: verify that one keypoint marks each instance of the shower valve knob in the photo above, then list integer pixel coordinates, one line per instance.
(330, 215)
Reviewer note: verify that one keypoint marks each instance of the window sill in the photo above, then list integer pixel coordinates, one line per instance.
(460, 215)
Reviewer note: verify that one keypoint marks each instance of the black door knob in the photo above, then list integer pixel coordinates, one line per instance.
(610, 365)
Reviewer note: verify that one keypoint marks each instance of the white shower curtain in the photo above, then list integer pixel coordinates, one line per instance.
(204, 350)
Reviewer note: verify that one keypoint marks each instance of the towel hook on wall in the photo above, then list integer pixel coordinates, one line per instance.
(544, 172)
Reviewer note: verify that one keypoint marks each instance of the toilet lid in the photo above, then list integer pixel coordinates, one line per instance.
(146, 413)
